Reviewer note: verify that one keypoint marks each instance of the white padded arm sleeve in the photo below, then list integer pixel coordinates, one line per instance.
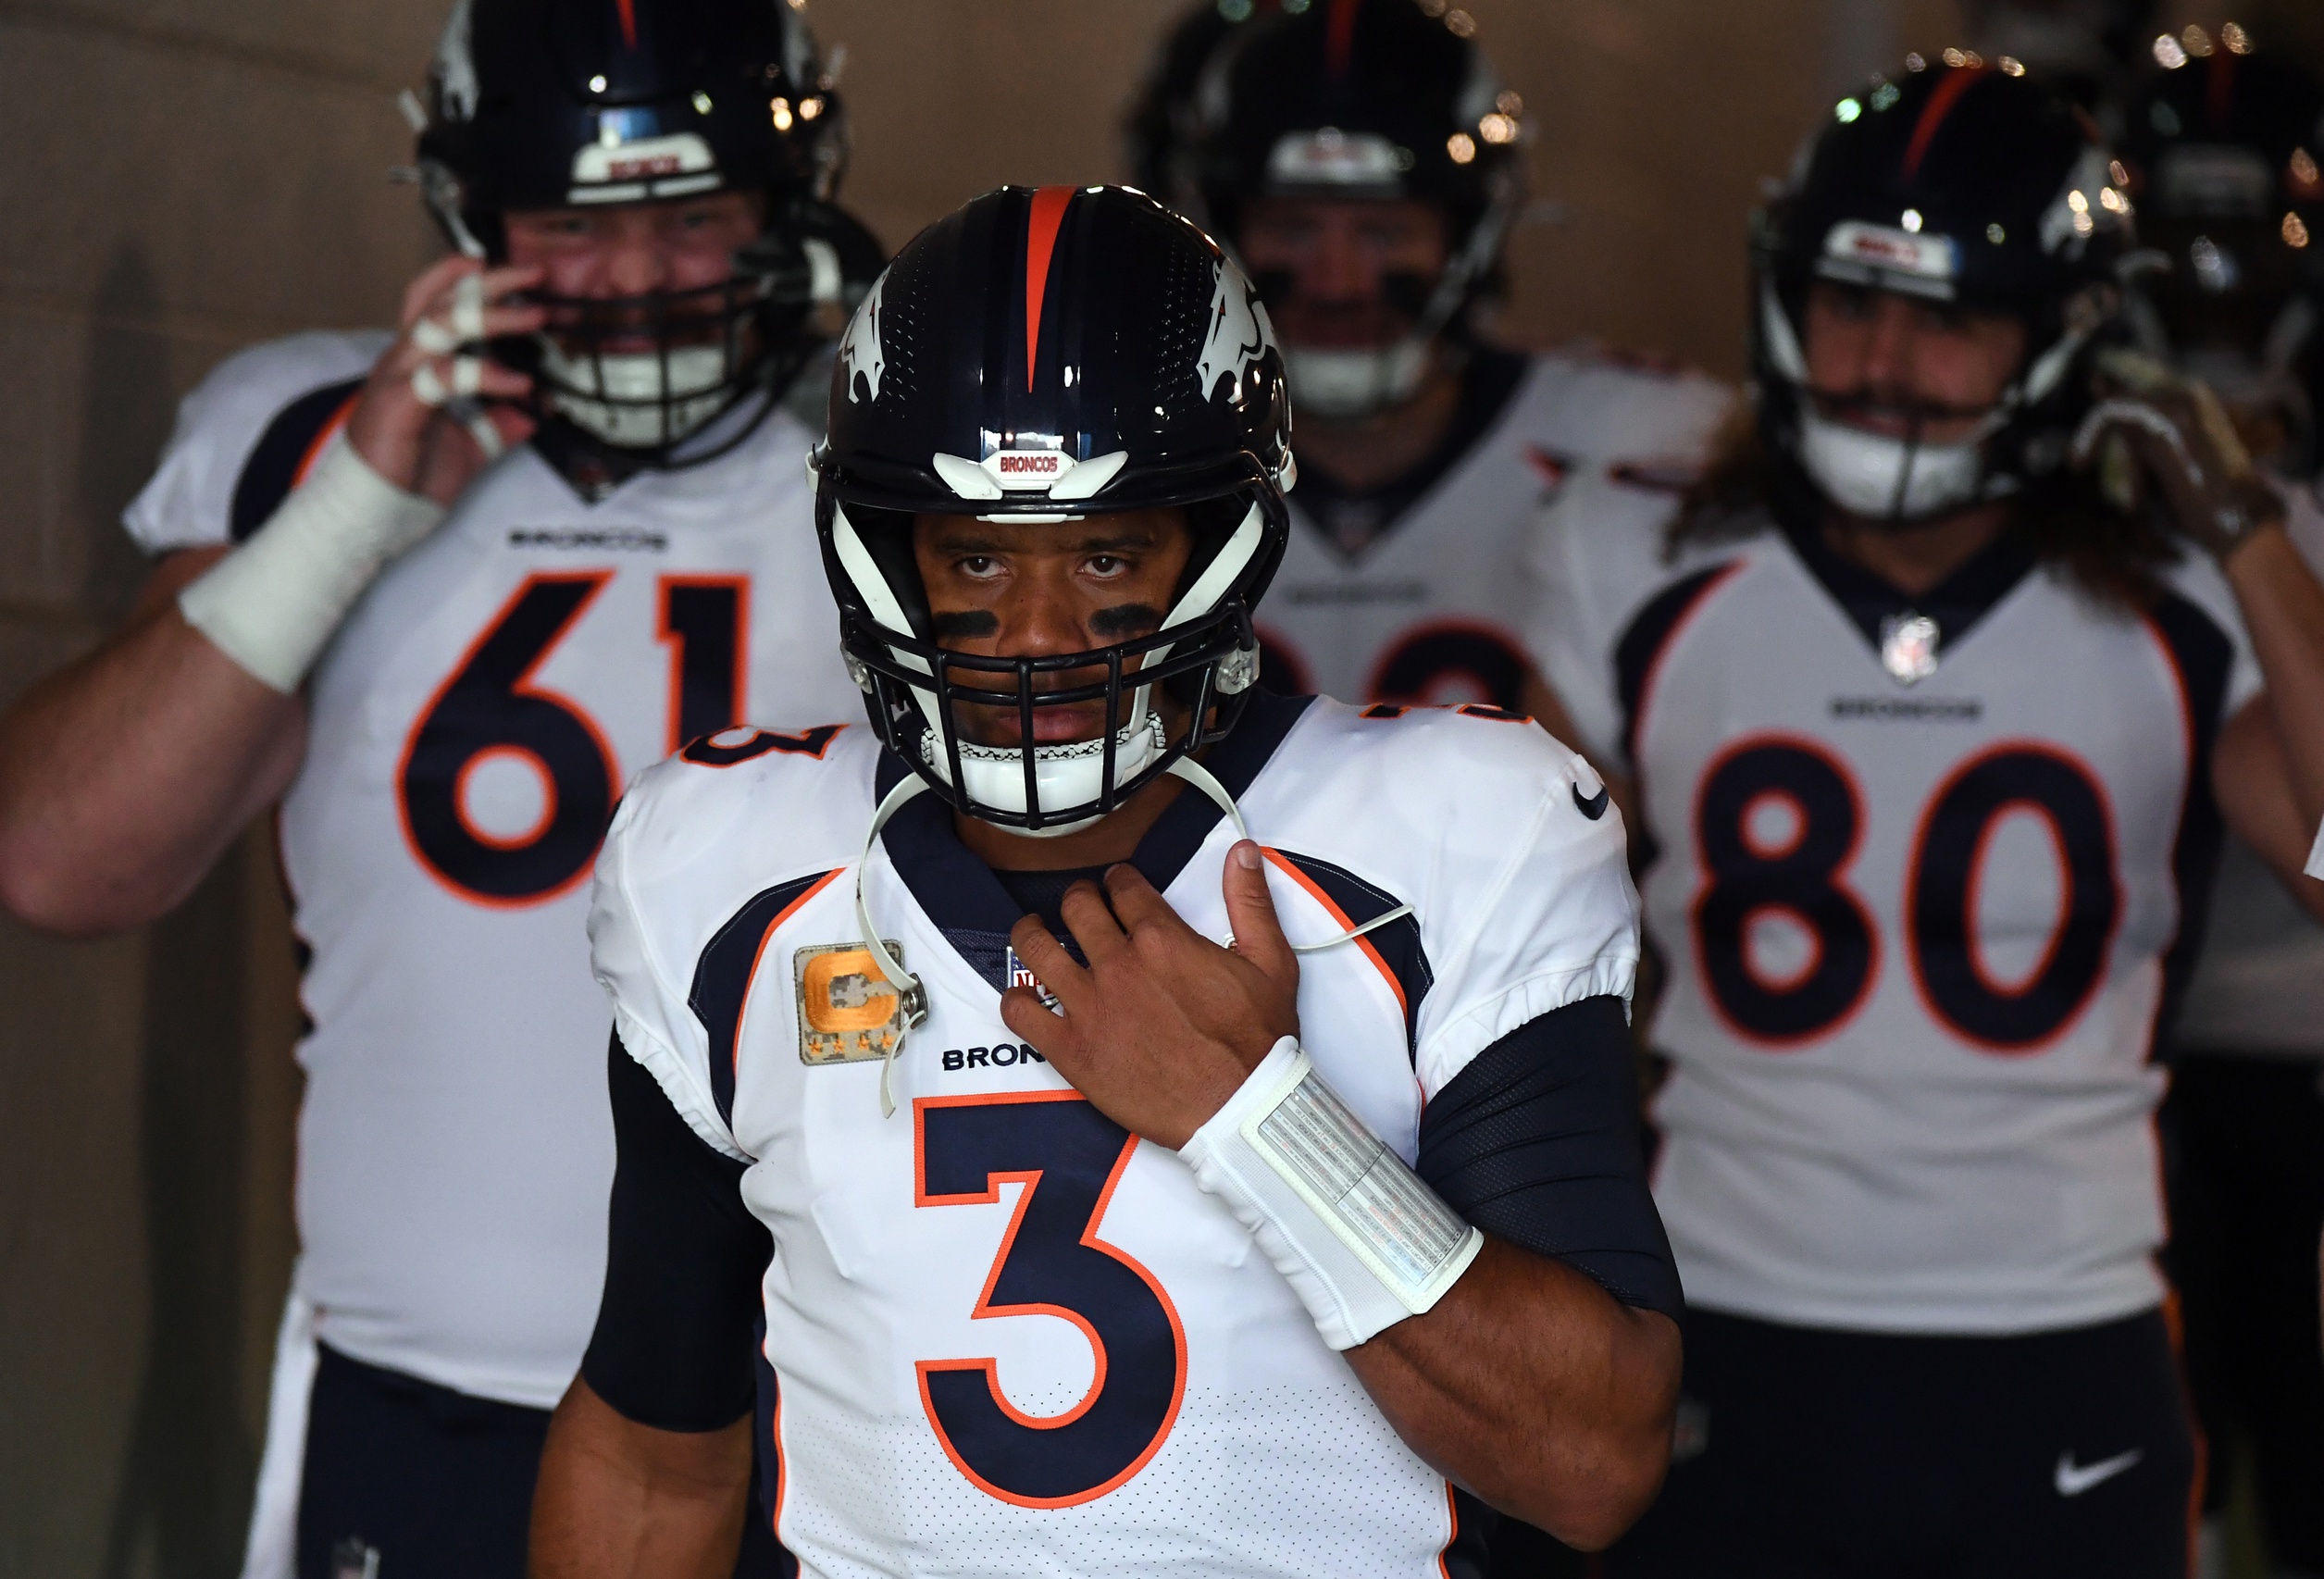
(273, 604)
(1359, 1237)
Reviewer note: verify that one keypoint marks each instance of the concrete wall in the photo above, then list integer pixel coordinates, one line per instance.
(183, 178)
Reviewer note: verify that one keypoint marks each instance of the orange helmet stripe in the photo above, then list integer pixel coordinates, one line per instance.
(1948, 94)
(1040, 242)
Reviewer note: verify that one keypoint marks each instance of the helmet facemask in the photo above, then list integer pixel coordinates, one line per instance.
(1203, 659)
(643, 374)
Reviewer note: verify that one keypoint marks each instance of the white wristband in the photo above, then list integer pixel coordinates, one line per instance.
(1361, 1238)
(273, 604)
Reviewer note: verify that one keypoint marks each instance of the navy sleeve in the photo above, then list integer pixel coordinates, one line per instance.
(674, 1340)
(1536, 1142)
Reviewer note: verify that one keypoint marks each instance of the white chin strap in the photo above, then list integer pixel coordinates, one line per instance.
(1880, 475)
(913, 996)
(1345, 385)
(635, 392)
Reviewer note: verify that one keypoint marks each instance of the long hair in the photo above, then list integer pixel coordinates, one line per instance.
(2063, 520)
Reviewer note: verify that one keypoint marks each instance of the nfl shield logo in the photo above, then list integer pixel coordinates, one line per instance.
(1021, 977)
(1909, 647)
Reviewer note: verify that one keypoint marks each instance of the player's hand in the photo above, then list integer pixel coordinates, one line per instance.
(2153, 431)
(435, 403)
(1163, 1025)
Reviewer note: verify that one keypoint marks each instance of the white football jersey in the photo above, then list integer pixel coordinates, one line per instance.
(1010, 1337)
(1424, 603)
(472, 726)
(1917, 878)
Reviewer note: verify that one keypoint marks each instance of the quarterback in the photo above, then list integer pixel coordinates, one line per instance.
(1143, 1125)
(1932, 714)
(442, 671)
(1364, 164)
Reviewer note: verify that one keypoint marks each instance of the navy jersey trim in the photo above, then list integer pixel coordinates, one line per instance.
(1394, 948)
(281, 454)
(1536, 1141)
(762, 1551)
(729, 961)
(684, 1259)
(1956, 603)
(2201, 654)
(1644, 641)
(958, 892)
(1467, 1555)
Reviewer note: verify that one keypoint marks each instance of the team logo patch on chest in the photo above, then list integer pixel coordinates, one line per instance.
(849, 1012)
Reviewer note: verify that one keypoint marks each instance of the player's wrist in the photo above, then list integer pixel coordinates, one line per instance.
(274, 603)
(1362, 1240)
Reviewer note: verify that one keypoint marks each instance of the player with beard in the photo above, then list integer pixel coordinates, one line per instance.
(1931, 715)
(443, 666)
(2222, 152)
(1362, 161)
(1096, 1245)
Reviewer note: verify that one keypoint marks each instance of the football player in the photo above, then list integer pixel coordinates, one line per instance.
(1364, 164)
(443, 671)
(2222, 152)
(1096, 1245)
(1931, 717)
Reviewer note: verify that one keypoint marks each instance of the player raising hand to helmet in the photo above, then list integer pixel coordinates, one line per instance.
(1931, 711)
(438, 594)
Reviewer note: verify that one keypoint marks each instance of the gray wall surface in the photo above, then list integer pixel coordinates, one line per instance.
(181, 179)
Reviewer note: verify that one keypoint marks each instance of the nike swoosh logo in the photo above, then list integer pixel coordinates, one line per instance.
(1593, 808)
(2073, 1479)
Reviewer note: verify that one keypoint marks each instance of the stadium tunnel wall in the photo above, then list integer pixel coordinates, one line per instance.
(186, 178)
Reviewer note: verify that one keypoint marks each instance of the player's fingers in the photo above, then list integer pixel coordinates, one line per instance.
(1251, 912)
(435, 384)
(1092, 924)
(1030, 1021)
(423, 293)
(1046, 958)
(496, 382)
(468, 324)
(1139, 905)
(499, 283)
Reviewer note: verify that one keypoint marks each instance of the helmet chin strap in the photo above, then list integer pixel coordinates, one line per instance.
(913, 996)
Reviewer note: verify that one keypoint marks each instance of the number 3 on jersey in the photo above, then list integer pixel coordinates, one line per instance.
(1068, 1156)
(489, 708)
(1802, 875)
